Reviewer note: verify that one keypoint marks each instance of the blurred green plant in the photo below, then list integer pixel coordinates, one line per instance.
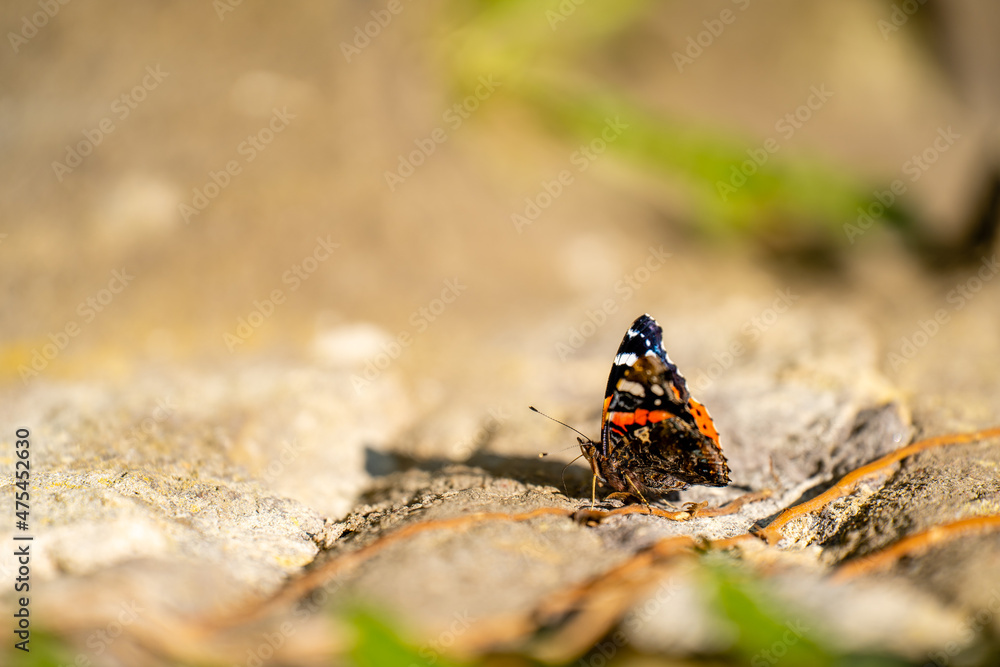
(539, 51)
(762, 637)
(768, 634)
(378, 643)
(765, 635)
(45, 649)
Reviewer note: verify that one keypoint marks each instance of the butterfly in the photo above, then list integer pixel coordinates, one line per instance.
(654, 436)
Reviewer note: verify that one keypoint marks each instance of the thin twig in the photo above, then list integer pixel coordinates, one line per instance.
(773, 534)
(914, 544)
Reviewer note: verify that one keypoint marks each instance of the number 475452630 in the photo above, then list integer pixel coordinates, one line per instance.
(23, 474)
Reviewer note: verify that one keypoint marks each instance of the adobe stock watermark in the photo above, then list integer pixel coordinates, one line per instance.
(88, 310)
(466, 448)
(31, 24)
(915, 167)
(420, 319)
(898, 17)
(121, 108)
(223, 7)
(786, 127)
(289, 453)
(958, 298)
(163, 411)
(602, 654)
(453, 118)
(101, 639)
(779, 648)
(530, 552)
(272, 641)
(624, 290)
(432, 650)
(248, 150)
(561, 13)
(293, 277)
(364, 34)
(752, 329)
(261, 654)
(581, 159)
(696, 45)
(970, 628)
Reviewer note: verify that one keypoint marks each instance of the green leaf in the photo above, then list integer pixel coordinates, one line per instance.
(45, 649)
(378, 644)
(769, 634)
(765, 635)
(539, 50)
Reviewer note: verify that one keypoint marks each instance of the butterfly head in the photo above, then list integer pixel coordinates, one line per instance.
(598, 464)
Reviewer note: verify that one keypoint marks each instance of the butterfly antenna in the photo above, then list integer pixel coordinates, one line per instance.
(565, 488)
(534, 409)
(577, 458)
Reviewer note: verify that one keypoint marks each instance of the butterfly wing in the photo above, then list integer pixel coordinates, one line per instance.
(650, 422)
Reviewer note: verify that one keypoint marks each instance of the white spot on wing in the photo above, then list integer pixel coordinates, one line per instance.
(626, 358)
(633, 388)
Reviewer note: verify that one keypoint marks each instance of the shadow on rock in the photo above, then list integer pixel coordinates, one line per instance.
(572, 480)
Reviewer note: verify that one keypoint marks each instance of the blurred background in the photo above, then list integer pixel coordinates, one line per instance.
(452, 210)
(532, 152)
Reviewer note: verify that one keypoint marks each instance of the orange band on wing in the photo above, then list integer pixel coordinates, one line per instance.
(640, 417)
(704, 422)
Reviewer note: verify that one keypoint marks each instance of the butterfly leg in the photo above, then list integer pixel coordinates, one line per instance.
(635, 492)
(639, 493)
(593, 492)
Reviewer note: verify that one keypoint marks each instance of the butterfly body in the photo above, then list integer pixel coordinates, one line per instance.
(654, 436)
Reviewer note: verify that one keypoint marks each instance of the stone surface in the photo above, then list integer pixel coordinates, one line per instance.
(315, 360)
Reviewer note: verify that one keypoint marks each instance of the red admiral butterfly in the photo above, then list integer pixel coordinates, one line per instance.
(654, 436)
